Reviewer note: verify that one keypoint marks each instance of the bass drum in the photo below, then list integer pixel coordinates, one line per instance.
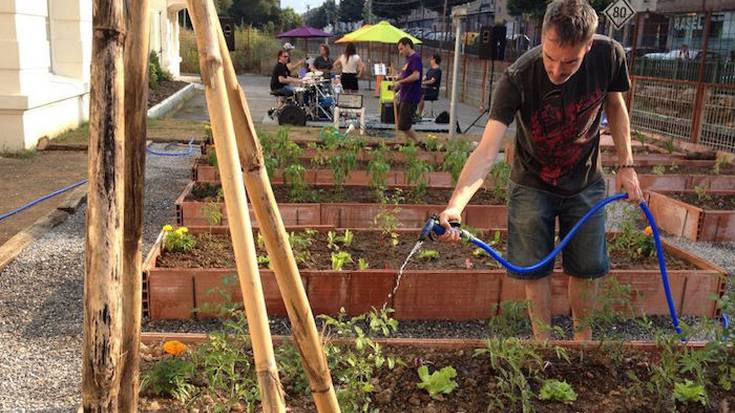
(292, 115)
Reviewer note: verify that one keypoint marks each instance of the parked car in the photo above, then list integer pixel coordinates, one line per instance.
(676, 54)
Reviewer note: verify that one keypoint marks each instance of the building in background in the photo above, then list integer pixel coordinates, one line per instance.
(45, 70)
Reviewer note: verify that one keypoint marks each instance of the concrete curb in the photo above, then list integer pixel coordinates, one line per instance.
(172, 102)
(14, 246)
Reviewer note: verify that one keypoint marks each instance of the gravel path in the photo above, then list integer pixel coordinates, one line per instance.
(41, 301)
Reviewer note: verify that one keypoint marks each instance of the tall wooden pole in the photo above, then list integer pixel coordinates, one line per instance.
(102, 354)
(136, 102)
(264, 204)
(204, 18)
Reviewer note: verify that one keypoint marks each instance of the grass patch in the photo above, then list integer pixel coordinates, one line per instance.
(21, 154)
(165, 128)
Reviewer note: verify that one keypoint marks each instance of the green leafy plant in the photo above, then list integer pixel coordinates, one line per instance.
(212, 158)
(212, 211)
(429, 255)
(347, 237)
(437, 383)
(178, 240)
(669, 145)
(362, 264)
(500, 173)
(702, 192)
(355, 367)
(556, 390)
(640, 137)
(455, 156)
(720, 163)
(332, 240)
(294, 175)
(416, 170)
(300, 243)
(690, 392)
(387, 220)
(339, 259)
(632, 241)
(511, 318)
(378, 169)
(433, 144)
(264, 260)
(170, 377)
(659, 170)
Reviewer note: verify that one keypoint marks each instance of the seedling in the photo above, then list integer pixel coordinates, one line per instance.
(690, 392)
(264, 260)
(433, 143)
(702, 192)
(378, 169)
(659, 170)
(429, 255)
(501, 178)
(556, 390)
(170, 377)
(669, 145)
(213, 213)
(212, 158)
(511, 318)
(332, 240)
(346, 238)
(387, 221)
(339, 259)
(362, 264)
(179, 240)
(455, 157)
(641, 138)
(416, 170)
(294, 175)
(437, 383)
(720, 162)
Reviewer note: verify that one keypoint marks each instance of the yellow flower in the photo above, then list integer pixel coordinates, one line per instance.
(168, 228)
(174, 347)
(184, 230)
(648, 231)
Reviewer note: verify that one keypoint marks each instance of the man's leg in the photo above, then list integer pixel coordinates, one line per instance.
(538, 294)
(421, 107)
(582, 296)
(531, 219)
(585, 258)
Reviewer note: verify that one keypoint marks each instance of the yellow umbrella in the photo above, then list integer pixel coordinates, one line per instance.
(382, 32)
(348, 37)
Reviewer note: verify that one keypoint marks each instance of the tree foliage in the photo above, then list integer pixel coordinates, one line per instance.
(350, 10)
(323, 15)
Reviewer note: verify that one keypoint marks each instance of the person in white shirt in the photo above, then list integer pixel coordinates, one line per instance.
(351, 67)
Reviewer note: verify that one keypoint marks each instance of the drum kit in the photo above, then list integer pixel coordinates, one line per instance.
(314, 100)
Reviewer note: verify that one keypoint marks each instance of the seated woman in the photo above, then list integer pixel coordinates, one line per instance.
(431, 83)
(323, 63)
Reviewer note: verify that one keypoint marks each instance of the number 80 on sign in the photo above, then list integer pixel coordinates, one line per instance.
(619, 13)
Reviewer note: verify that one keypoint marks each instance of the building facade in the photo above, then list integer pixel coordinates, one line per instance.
(45, 70)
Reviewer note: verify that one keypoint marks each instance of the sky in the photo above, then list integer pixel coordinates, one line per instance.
(300, 5)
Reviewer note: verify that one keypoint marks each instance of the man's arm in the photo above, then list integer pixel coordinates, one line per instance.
(473, 174)
(287, 80)
(429, 81)
(619, 125)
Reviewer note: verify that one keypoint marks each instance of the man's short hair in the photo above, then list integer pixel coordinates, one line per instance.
(574, 21)
(437, 58)
(406, 42)
(281, 53)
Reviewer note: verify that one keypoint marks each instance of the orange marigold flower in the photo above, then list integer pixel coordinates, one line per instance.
(174, 347)
(648, 231)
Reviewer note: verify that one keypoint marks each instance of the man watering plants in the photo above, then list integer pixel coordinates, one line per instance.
(556, 93)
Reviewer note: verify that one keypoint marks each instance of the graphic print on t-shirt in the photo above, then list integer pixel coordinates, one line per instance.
(562, 132)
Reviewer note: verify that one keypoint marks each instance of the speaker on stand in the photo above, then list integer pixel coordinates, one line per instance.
(492, 48)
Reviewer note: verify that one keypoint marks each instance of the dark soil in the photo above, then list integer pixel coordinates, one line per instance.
(165, 89)
(709, 201)
(215, 251)
(602, 384)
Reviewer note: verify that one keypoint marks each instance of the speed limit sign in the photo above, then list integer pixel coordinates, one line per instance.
(619, 13)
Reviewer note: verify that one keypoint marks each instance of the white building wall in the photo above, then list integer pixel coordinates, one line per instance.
(44, 85)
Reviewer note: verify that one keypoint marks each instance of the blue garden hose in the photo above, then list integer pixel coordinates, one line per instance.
(433, 228)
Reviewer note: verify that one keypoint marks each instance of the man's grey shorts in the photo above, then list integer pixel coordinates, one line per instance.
(531, 220)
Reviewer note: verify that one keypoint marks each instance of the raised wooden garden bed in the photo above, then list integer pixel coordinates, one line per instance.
(676, 214)
(346, 214)
(456, 286)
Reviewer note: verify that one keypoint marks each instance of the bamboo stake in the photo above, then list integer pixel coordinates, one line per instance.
(101, 355)
(258, 184)
(136, 100)
(204, 18)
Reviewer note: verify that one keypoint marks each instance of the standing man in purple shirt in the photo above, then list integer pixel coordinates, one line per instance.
(409, 85)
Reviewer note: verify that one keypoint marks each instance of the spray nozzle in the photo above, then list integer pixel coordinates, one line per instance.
(432, 228)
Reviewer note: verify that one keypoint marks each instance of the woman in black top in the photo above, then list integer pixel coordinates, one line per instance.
(432, 82)
(323, 62)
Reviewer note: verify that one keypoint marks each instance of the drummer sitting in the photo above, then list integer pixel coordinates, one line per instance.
(281, 80)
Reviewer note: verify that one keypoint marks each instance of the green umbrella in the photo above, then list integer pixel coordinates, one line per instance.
(382, 32)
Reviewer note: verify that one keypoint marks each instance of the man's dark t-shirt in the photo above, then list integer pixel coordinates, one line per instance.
(323, 63)
(558, 127)
(279, 70)
(411, 92)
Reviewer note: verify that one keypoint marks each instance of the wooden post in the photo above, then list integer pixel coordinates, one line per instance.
(102, 352)
(258, 184)
(136, 104)
(205, 21)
